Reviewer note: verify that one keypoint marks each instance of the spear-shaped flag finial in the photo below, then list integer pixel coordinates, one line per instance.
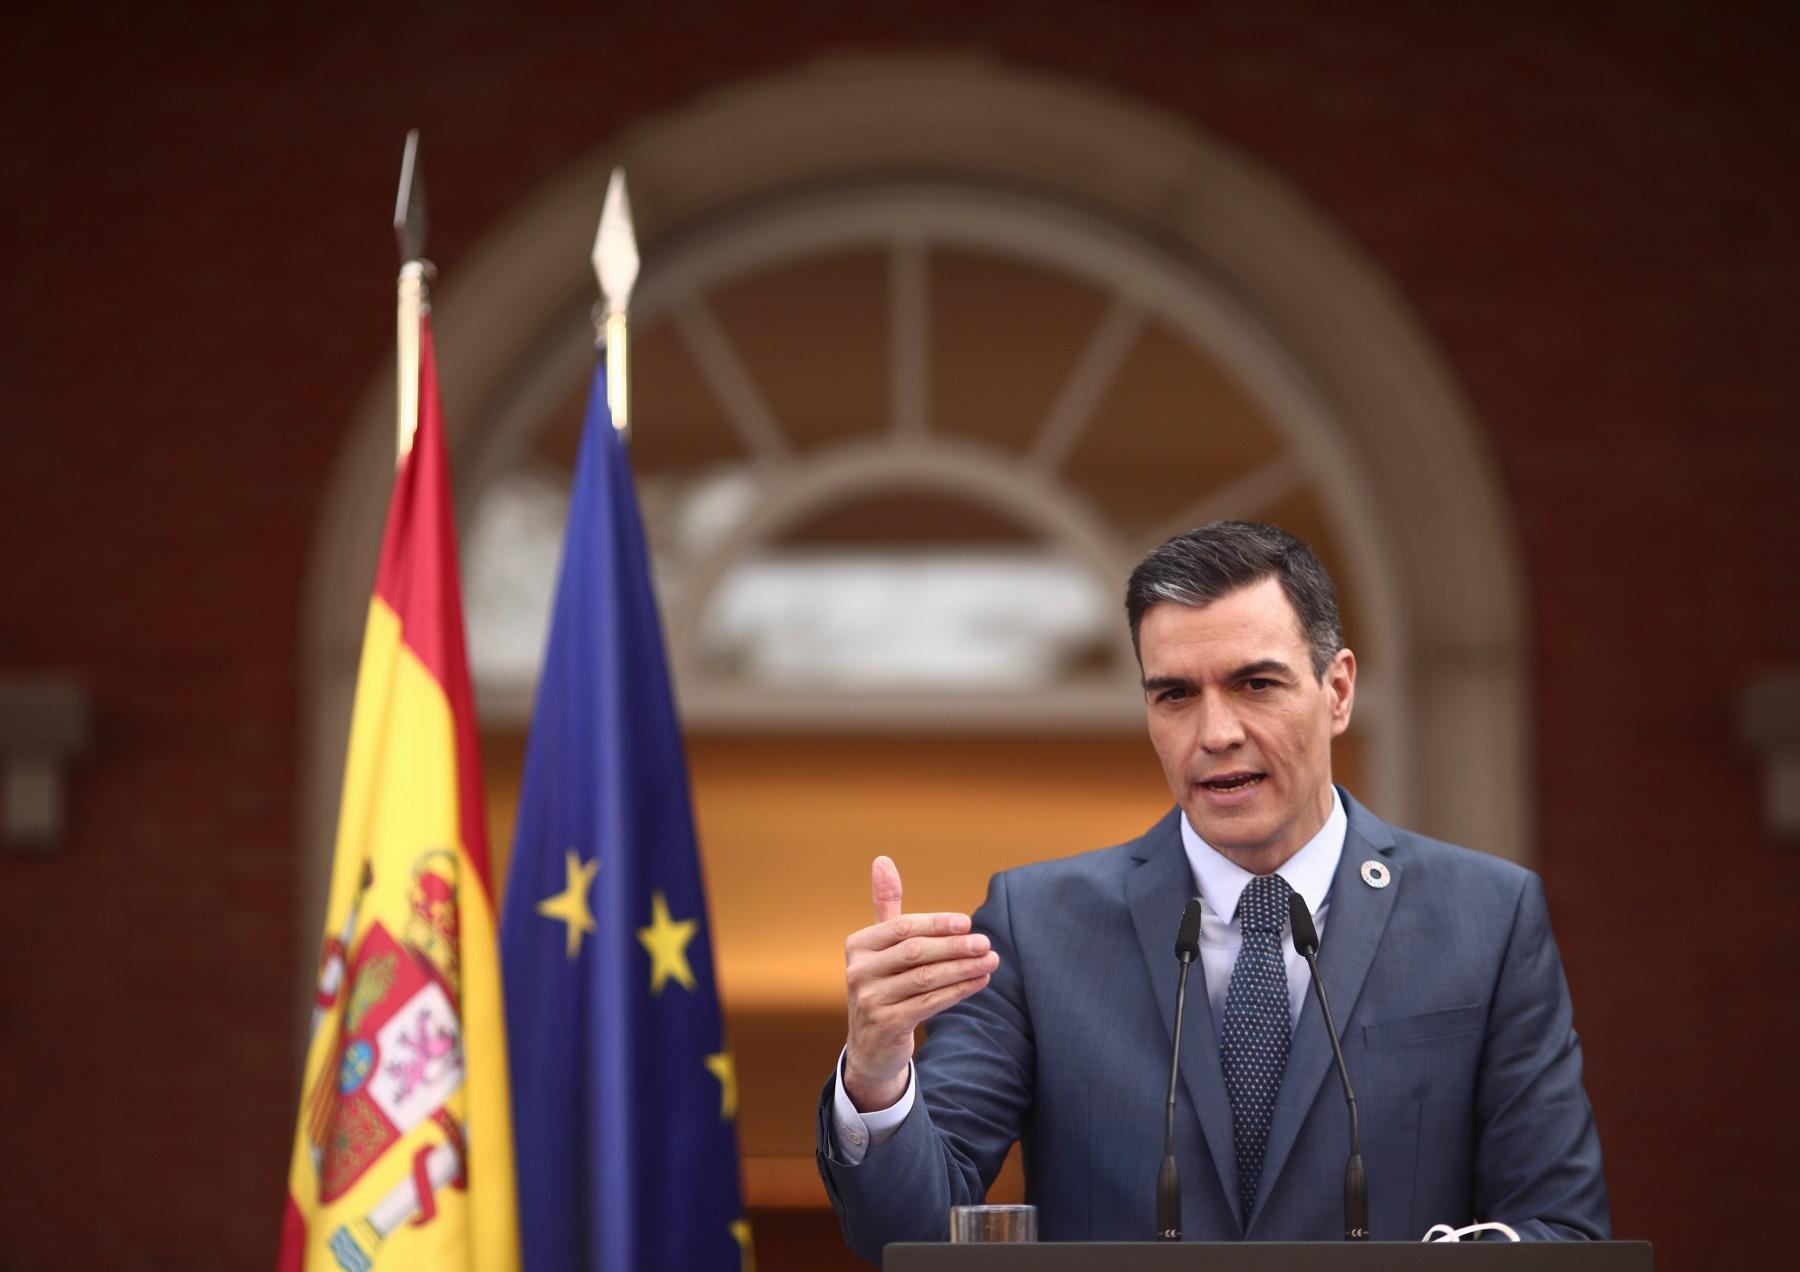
(409, 204)
(616, 267)
(409, 229)
(615, 246)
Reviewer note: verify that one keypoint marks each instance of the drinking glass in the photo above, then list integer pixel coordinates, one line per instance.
(993, 1223)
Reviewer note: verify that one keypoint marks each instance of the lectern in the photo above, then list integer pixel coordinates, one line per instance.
(1273, 1256)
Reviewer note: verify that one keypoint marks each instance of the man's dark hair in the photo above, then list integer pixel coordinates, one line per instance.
(1200, 566)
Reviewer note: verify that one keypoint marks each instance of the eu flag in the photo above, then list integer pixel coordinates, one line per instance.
(624, 1094)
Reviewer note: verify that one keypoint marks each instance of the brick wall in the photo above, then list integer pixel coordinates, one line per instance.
(1591, 214)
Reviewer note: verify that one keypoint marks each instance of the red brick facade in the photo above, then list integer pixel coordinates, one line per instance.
(1593, 217)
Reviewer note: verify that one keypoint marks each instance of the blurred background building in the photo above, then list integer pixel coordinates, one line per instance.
(949, 312)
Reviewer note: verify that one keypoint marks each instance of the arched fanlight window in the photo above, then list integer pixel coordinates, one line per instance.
(898, 448)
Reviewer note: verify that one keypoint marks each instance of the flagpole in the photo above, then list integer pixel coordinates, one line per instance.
(409, 229)
(616, 268)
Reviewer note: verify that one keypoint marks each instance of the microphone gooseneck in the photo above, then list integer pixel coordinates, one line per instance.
(1356, 1183)
(1168, 1178)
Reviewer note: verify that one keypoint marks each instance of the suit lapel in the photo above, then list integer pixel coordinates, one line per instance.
(1353, 929)
(1155, 893)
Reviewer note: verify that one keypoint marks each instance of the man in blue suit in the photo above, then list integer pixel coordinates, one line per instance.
(1052, 1011)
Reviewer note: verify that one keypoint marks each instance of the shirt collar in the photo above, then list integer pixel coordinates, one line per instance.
(1221, 880)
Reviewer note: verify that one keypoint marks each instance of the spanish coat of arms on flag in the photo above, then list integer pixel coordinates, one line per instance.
(402, 1154)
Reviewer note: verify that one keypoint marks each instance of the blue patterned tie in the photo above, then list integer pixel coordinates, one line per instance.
(1254, 1046)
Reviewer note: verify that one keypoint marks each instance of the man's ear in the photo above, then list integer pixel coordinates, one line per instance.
(1340, 685)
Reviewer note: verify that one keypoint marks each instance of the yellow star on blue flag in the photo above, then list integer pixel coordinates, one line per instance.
(570, 906)
(667, 940)
(724, 1068)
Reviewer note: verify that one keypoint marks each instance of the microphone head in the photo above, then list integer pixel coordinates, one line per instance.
(1306, 937)
(1187, 940)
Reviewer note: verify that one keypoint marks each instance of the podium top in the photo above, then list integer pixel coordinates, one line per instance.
(1274, 1256)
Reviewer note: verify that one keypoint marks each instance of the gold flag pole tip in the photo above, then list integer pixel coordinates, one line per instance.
(616, 263)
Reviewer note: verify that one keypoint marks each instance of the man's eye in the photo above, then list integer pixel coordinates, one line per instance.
(1173, 694)
(1256, 684)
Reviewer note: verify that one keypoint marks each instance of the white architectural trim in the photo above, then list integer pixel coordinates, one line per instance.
(909, 336)
(1092, 375)
(856, 470)
(730, 381)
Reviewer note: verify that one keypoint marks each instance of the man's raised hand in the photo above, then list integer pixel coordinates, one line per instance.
(901, 971)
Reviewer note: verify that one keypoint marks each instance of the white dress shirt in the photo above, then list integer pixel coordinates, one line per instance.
(1219, 882)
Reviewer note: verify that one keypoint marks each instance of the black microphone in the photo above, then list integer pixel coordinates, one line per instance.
(1356, 1184)
(1168, 1179)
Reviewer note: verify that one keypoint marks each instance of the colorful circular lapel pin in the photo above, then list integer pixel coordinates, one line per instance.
(1376, 875)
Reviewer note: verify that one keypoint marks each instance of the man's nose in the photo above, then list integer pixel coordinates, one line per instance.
(1220, 728)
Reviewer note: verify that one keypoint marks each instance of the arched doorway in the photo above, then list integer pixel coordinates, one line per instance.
(910, 317)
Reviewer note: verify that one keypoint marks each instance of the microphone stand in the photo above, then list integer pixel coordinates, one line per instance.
(1168, 1178)
(1356, 1182)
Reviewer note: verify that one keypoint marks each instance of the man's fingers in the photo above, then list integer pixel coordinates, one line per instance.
(883, 991)
(925, 1006)
(893, 931)
(922, 951)
(897, 1006)
(884, 888)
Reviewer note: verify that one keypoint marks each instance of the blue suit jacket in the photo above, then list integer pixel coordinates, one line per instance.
(1457, 1034)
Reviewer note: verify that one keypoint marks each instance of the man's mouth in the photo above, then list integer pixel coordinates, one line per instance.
(1233, 781)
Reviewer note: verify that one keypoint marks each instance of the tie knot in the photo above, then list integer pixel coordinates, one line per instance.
(1263, 905)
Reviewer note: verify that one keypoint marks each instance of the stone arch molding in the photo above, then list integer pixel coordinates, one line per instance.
(1415, 491)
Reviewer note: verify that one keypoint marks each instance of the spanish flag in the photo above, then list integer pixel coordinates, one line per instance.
(403, 1154)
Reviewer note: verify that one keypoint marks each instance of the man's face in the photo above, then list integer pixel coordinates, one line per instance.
(1242, 726)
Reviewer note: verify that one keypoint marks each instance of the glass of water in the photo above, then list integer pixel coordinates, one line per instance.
(993, 1223)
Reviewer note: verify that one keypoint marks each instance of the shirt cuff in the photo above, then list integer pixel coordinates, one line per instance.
(854, 1132)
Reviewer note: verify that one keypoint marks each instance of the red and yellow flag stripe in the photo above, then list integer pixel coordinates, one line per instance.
(403, 1146)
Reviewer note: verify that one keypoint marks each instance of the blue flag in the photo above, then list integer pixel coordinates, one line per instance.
(624, 1094)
